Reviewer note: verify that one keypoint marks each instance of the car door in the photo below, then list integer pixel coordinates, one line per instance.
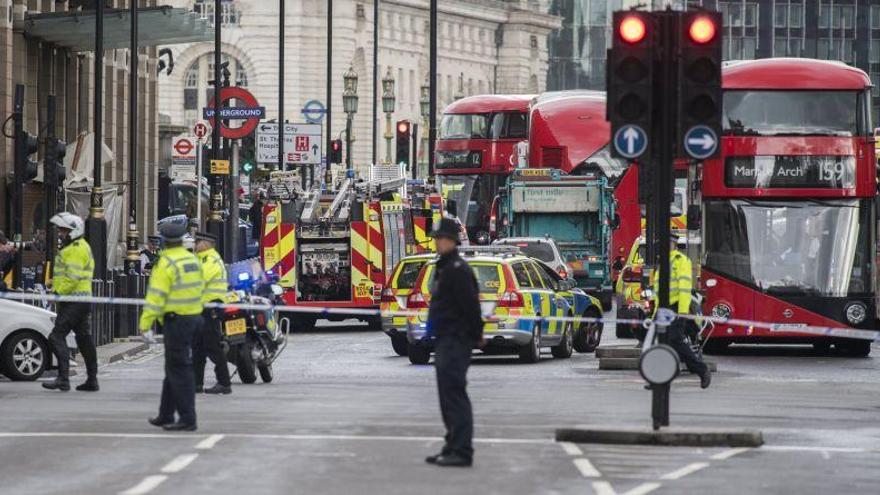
(549, 304)
(531, 294)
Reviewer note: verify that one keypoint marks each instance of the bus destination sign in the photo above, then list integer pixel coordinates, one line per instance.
(790, 171)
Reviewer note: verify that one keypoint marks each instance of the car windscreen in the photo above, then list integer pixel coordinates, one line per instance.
(538, 250)
(488, 276)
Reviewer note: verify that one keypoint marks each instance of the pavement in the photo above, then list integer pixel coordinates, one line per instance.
(345, 415)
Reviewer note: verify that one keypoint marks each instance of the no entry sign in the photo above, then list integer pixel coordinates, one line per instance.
(248, 109)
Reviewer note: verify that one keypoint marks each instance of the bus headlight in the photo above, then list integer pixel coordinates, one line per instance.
(721, 311)
(856, 312)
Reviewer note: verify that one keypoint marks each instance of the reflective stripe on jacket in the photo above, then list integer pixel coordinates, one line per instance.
(681, 282)
(74, 269)
(214, 273)
(176, 286)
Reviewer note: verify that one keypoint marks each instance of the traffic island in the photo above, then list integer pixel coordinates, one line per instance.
(670, 437)
(627, 358)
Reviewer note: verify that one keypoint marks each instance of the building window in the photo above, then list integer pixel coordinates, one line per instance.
(875, 77)
(795, 15)
(848, 55)
(229, 14)
(241, 76)
(847, 13)
(751, 17)
(875, 16)
(735, 15)
(875, 51)
(794, 47)
(748, 46)
(191, 79)
(780, 15)
(822, 45)
(780, 47)
(824, 16)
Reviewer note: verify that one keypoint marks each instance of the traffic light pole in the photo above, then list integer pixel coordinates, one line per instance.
(215, 221)
(132, 238)
(432, 114)
(50, 175)
(18, 183)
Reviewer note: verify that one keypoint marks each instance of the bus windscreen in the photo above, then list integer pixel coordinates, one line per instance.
(790, 113)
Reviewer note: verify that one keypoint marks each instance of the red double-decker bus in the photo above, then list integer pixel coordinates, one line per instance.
(475, 153)
(789, 209)
(568, 131)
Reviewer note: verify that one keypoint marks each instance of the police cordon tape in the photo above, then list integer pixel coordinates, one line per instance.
(666, 317)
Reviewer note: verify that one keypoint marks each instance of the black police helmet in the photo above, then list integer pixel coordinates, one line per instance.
(173, 228)
(447, 228)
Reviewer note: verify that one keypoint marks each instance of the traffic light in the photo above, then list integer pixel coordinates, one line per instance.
(629, 82)
(336, 151)
(699, 100)
(54, 171)
(29, 147)
(404, 134)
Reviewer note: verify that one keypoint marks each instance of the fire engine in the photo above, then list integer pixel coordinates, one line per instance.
(334, 248)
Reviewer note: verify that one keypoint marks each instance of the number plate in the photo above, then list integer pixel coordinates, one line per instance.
(235, 327)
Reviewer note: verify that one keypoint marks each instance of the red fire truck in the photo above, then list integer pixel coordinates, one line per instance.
(789, 209)
(568, 131)
(476, 151)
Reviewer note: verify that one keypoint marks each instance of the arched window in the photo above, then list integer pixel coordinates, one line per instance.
(197, 92)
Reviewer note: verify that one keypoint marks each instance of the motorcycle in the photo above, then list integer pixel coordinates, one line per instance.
(254, 337)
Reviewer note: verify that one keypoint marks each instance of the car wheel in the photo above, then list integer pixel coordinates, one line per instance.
(564, 348)
(399, 344)
(244, 361)
(418, 354)
(531, 352)
(24, 356)
(589, 333)
(266, 373)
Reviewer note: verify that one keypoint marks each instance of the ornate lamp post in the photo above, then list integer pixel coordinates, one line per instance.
(425, 110)
(349, 106)
(388, 102)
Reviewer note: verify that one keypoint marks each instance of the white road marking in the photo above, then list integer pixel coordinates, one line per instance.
(643, 489)
(571, 449)
(586, 468)
(603, 488)
(807, 448)
(210, 442)
(727, 454)
(179, 463)
(681, 473)
(146, 485)
(510, 441)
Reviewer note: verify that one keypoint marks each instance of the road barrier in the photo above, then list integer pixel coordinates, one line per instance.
(104, 302)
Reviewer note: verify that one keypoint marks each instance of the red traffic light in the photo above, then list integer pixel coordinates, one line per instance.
(337, 144)
(403, 127)
(701, 30)
(632, 29)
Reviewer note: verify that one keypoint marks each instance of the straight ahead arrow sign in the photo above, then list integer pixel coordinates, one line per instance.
(630, 136)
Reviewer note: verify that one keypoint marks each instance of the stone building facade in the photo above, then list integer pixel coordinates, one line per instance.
(486, 46)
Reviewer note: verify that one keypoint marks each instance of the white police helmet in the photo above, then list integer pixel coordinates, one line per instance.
(70, 222)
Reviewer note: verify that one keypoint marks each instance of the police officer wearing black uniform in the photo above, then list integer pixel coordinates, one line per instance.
(455, 319)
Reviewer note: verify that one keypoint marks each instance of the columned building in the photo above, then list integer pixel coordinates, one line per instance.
(485, 46)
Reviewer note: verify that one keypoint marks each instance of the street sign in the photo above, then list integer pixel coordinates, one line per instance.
(220, 167)
(630, 141)
(201, 129)
(700, 142)
(183, 158)
(248, 109)
(303, 143)
(314, 111)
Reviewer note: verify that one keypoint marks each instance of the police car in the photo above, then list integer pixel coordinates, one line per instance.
(515, 292)
(398, 287)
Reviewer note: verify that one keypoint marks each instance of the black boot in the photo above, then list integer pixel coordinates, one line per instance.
(219, 389)
(160, 422)
(706, 379)
(91, 385)
(57, 384)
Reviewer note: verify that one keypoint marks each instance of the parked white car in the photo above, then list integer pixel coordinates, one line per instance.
(24, 333)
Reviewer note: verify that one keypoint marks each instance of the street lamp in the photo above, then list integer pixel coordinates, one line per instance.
(425, 107)
(349, 106)
(460, 93)
(388, 102)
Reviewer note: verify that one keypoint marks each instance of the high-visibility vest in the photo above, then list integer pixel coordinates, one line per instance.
(176, 286)
(214, 273)
(74, 269)
(681, 282)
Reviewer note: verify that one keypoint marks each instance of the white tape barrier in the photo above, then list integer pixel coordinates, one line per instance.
(821, 331)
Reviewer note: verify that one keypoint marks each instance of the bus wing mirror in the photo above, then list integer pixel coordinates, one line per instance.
(694, 217)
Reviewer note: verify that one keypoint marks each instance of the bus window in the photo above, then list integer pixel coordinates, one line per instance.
(510, 125)
(464, 126)
(798, 113)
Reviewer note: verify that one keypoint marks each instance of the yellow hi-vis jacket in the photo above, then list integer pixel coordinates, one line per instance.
(74, 269)
(681, 282)
(214, 273)
(176, 286)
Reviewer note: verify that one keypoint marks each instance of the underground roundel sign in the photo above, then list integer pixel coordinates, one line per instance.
(247, 109)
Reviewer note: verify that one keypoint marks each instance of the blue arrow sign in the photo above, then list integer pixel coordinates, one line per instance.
(630, 141)
(237, 113)
(314, 111)
(700, 142)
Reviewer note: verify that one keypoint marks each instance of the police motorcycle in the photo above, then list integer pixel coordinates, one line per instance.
(254, 336)
(697, 330)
